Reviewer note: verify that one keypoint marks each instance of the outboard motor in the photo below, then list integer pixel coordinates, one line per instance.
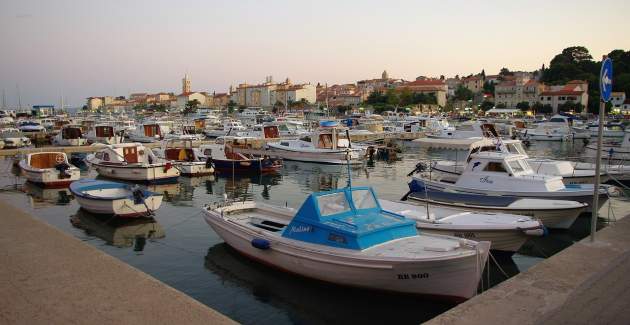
(138, 195)
(63, 170)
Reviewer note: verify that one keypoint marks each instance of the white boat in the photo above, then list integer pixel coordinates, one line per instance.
(132, 162)
(558, 214)
(558, 128)
(467, 130)
(229, 128)
(49, 169)
(13, 138)
(112, 198)
(612, 151)
(70, 135)
(149, 132)
(344, 237)
(104, 133)
(506, 174)
(31, 126)
(185, 158)
(506, 232)
(610, 130)
(325, 146)
(543, 166)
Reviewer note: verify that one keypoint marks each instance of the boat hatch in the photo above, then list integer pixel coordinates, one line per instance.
(271, 132)
(349, 218)
(267, 225)
(46, 159)
(130, 154)
(104, 131)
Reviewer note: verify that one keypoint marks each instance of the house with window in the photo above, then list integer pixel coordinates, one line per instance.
(575, 91)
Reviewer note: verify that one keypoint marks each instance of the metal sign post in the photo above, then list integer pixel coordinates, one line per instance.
(605, 91)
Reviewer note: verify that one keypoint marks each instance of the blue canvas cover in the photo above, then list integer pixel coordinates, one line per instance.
(347, 218)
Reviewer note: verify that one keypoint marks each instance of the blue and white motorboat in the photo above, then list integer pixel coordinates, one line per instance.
(344, 237)
(509, 175)
(112, 198)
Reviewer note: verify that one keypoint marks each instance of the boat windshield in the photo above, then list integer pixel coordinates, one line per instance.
(334, 203)
(363, 199)
(515, 148)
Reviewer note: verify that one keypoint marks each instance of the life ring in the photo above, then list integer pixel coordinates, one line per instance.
(59, 159)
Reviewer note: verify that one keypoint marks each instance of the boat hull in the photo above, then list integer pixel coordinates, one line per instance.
(192, 169)
(253, 166)
(49, 177)
(337, 157)
(120, 207)
(158, 174)
(455, 279)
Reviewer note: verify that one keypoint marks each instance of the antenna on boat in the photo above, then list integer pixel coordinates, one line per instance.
(349, 170)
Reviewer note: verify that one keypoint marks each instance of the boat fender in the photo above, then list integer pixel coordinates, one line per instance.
(167, 166)
(537, 232)
(261, 243)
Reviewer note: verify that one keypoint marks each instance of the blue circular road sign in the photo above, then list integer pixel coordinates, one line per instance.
(605, 80)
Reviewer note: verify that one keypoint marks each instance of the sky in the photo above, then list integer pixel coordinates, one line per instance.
(75, 49)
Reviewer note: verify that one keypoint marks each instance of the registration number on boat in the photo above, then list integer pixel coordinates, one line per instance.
(412, 276)
(464, 234)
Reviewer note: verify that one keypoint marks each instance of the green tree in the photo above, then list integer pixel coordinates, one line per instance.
(488, 87)
(486, 105)
(500, 105)
(523, 106)
(191, 106)
(463, 93)
(537, 107)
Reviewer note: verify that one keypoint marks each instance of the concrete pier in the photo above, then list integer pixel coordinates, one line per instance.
(49, 277)
(587, 283)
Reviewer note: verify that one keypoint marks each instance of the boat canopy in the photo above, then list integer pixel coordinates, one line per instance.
(348, 218)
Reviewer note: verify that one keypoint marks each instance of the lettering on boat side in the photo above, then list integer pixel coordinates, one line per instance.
(413, 276)
(464, 234)
(337, 238)
(301, 229)
(486, 180)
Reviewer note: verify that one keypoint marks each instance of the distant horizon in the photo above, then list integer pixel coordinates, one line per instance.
(115, 48)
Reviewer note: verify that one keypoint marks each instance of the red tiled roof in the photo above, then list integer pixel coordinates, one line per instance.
(425, 82)
(531, 82)
(507, 83)
(562, 92)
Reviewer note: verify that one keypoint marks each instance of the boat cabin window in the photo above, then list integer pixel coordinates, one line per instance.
(495, 167)
(99, 155)
(325, 141)
(516, 166)
(207, 152)
(363, 199)
(334, 203)
(515, 148)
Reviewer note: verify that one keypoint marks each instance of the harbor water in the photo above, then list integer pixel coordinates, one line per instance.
(180, 249)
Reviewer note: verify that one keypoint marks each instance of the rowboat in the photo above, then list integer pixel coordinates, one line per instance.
(113, 198)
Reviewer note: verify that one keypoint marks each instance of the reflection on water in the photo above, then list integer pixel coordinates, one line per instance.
(41, 197)
(193, 259)
(118, 232)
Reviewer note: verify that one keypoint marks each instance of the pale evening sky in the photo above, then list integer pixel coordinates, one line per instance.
(96, 48)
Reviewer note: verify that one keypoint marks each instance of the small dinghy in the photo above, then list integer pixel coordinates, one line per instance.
(120, 199)
(344, 236)
(506, 232)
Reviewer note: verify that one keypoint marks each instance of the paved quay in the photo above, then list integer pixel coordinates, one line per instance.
(587, 283)
(49, 277)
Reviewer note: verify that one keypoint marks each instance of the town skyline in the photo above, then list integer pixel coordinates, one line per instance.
(83, 55)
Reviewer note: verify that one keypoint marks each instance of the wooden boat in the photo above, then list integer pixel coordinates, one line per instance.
(506, 232)
(112, 198)
(132, 162)
(344, 237)
(325, 146)
(182, 154)
(70, 135)
(225, 160)
(49, 169)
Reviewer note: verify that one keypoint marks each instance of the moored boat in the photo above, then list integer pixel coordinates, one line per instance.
(182, 154)
(132, 162)
(225, 160)
(112, 198)
(506, 232)
(345, 237)
(49, 169)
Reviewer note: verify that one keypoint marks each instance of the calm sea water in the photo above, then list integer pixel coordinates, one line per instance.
(180, 249)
